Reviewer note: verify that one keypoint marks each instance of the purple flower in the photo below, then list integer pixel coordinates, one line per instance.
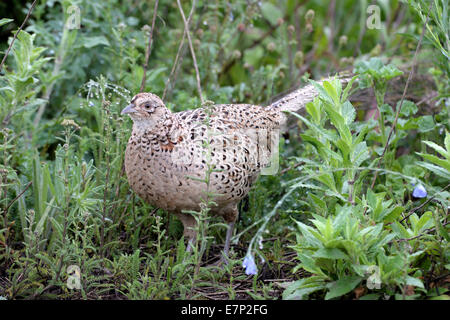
(419, 191)
(249, 265)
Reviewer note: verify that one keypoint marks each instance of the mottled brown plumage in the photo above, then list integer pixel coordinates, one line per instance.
(167, 149)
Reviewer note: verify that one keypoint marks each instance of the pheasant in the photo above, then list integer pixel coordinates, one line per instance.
(165, 159)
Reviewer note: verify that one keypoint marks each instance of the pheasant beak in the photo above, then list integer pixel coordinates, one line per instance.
(129, 109)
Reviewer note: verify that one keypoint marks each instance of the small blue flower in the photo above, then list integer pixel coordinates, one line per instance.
(249, 265)
(419, 191)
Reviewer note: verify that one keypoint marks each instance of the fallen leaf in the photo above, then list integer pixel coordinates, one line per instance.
(409, 290)
(359, 292)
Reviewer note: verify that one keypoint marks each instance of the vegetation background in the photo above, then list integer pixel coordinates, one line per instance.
(359, 209)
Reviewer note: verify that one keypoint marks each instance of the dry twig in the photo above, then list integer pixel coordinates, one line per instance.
(149, 47)
(191, 47)
(177, 58)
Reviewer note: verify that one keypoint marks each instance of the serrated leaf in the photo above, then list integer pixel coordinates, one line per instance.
(426, 123)
(348, 112)
(409, 108)
(360, 154)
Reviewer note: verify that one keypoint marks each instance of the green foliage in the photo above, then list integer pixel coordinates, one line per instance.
(439, 166)
(361, 231)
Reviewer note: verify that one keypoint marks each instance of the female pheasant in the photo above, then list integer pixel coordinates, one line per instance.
(165, 158)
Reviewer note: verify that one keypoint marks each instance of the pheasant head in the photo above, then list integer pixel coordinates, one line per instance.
(147, 110)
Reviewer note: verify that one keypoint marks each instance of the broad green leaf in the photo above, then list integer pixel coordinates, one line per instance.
(426, 123)
(409, 108)
(271, 12)
(300, 289)
(360, 154)
(309, 264)
(441, 297)
(392, 214)
(330, 253)
(400, 230)
(348, 112)
(422, 223)
(90, 42)
(342, 286)
(4, 21)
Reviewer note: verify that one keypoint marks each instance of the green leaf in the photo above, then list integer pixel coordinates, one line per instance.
(309, 264)
(409, 108)
(360, 154)
(438, 148)
(332, 93)
(447, 141)
(423, 222)
(323, 94)
(441, 297)
(400, 230)
(313, 109)
(426, 123)
(371, 199)
(271, 12)
(393, 214)
(414, 282)
(321, 131)
(300, 289)
(90, 42)
(347, 89)
(318, 202)
(370, 296)
(327, 179)
(330, 253)
(348, 112)
(342, 286)
(5, 21)
(435, 169)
